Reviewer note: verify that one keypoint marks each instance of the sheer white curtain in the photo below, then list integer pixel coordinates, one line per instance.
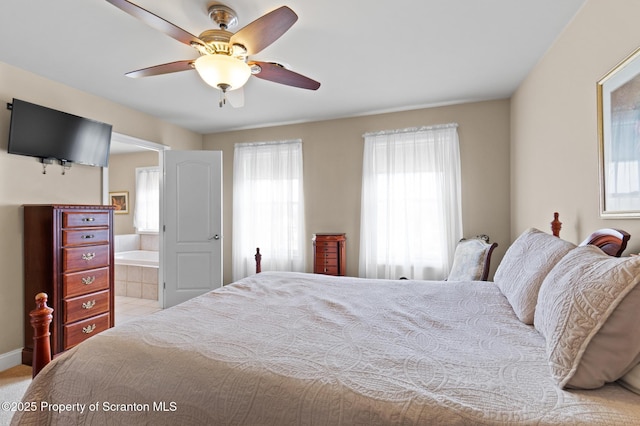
(268, 207)
(147, 206)
(411, 215)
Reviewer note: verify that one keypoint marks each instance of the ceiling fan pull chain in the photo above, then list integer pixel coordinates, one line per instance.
(223, 93)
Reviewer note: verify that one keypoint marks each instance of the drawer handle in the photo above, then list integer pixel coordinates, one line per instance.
(88, 305)
(88, 219)
(88, 256)
(88, 329)
(88, 280)
(86, 237)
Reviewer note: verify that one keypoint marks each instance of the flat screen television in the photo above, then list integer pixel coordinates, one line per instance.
(46, 133)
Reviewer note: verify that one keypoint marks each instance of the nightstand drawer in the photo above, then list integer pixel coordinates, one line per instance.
(79, 283)
(88, 257)
(85, 306)
(77, 332)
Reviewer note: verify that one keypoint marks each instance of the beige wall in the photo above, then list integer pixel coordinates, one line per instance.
(332, 153)
(554, 143)
(22, 181)
(122, 177)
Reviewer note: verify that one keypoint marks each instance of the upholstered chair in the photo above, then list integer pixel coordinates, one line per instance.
(472, 259)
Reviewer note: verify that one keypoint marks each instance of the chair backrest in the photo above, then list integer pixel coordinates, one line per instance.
(472, 259)
(609, 240)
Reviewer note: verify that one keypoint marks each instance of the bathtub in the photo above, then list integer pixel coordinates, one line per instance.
(136, 274)
(137, 258)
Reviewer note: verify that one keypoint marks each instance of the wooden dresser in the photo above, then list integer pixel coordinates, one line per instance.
(68, 254)
(329, 254)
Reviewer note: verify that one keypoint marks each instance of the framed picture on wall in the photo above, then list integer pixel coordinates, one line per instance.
(619, 139)
(121, 201)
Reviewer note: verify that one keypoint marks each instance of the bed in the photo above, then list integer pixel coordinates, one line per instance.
(280, 348)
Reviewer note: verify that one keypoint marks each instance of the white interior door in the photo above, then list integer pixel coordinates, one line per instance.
(192, 224)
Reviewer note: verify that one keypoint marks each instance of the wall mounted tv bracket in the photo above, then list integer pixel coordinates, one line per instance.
(66, 165)
(45, 162)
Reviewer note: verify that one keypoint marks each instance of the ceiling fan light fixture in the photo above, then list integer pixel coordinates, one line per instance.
(222, 71)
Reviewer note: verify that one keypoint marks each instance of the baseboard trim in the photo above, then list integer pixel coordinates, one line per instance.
(10, 359)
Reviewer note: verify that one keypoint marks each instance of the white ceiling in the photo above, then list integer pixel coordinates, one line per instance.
(370, 56)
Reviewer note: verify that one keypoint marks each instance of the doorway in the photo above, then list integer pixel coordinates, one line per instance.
(137, 276)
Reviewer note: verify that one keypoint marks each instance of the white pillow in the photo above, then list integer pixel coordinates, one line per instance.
(588, 310)
(525, 265)
(631, 380)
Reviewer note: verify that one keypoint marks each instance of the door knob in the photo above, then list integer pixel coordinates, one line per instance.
(215, 237)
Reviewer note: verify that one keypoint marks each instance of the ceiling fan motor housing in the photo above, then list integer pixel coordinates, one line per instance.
(217, 41)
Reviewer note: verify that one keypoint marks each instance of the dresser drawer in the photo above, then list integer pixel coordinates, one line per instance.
(79, 331)
(85, 306)
(326, 269)
(326, 255)
(88, 257)
(327, 248)
(326, 262)
(84, 219)
(86, 236)
(79, 283)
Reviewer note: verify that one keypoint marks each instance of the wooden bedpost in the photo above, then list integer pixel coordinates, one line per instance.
(41, 317)
(556, 225)
(258, 257)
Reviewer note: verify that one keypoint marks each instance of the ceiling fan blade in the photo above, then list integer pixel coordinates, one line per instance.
(156, 22)
(162, 69)
(236, 97)
(279, 74)
(265, 30)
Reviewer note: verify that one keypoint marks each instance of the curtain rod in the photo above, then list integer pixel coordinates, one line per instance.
(288, 141)
(412, 129)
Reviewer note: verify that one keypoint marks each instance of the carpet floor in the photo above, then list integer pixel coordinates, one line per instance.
(13, 384)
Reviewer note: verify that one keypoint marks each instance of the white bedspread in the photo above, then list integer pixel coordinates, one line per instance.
(295, 349)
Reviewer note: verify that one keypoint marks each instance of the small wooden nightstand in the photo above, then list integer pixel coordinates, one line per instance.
(329, 254)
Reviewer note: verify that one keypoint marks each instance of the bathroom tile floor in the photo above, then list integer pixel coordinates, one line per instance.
(128, 308)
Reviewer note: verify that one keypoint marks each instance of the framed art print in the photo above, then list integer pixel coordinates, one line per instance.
(619, 139)
(121, 201)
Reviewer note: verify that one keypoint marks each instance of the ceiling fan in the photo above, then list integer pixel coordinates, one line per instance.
(224, 56)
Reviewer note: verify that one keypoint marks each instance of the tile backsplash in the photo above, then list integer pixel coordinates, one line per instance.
(128, 242)
(150, 242)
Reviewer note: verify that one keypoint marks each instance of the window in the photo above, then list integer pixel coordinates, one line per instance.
(147, 205)
(268, 207)
(410, 215)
